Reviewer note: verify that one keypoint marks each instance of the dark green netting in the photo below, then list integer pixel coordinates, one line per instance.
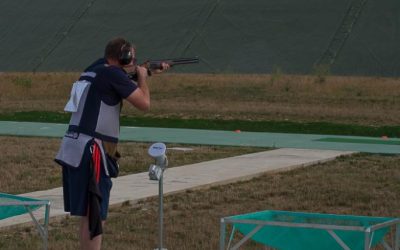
(14, 210)
(307, 238)
(235, 36)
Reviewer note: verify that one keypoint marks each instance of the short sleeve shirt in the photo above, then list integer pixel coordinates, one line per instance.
(111, 82)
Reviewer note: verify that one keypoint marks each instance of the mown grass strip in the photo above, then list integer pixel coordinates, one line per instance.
(243, 125)
(382, 141)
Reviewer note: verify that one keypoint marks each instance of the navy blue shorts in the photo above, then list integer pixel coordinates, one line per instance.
(75, 188)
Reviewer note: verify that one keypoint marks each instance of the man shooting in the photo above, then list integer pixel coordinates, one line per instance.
(88, 152)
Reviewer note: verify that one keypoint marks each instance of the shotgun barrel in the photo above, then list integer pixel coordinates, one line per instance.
(156, 64)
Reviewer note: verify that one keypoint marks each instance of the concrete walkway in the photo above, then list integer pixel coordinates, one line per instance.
(138, 186)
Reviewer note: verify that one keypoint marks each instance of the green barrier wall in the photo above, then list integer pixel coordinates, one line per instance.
(234, 36)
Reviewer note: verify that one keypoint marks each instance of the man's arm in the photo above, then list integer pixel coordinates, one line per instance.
(140, 98)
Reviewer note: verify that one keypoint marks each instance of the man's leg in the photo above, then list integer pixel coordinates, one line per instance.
(86, 242)
(104, 183)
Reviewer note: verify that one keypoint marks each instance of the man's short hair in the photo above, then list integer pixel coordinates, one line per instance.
(115, 46)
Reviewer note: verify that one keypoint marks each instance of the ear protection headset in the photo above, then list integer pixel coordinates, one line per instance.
(126, 55)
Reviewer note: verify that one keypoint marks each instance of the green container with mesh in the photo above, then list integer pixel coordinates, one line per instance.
(310, 231)
(13, 205)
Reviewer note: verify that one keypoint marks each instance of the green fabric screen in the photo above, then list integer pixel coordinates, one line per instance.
(14, 210)
(309, 239)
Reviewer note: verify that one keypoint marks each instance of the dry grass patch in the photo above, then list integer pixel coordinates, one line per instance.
(35, 91)
(27, 164)
(356, 100)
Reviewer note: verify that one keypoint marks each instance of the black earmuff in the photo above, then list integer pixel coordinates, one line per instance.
(126, 55)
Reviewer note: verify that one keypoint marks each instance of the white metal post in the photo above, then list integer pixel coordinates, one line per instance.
(161, 213)
(156, 172)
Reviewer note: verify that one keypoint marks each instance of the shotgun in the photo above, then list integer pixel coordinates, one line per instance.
(156, 64)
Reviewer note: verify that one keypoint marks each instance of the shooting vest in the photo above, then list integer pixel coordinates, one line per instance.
(94, 115)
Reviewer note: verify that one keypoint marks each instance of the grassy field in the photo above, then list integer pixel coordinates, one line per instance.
(363, 184)
(345, 100)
